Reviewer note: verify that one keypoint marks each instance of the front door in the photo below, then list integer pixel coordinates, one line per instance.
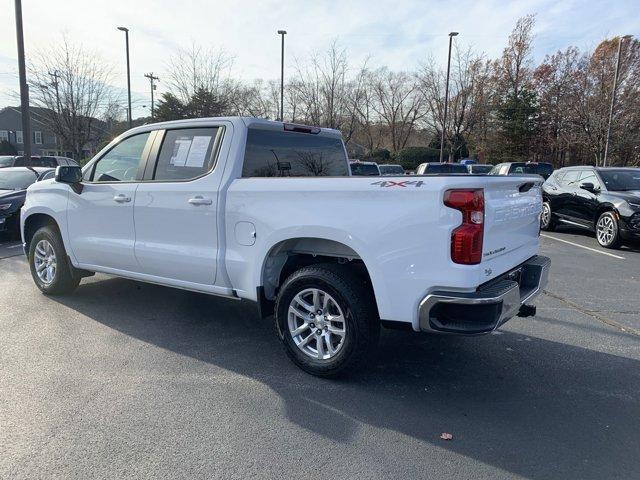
(100, 214)
(175, 207)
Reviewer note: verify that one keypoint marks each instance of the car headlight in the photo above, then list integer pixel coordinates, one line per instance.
(5, 206)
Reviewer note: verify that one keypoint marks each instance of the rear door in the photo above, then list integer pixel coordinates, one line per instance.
(100, 215)
(176, 206)
(586, 202)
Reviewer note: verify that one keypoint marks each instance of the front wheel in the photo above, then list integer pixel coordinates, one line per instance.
(50, 268)
(326, 319)
(547, 222)
(607, 231)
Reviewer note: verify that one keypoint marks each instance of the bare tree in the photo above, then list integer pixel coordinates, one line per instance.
(73, 85)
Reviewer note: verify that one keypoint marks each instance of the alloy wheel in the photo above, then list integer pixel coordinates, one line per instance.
(316, 324)
(545, 216)
(45, 262)
(606, 230)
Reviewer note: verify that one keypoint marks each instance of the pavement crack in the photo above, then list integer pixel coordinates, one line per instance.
(595, 314)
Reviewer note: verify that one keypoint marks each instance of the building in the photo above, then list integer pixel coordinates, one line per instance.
(43, 140)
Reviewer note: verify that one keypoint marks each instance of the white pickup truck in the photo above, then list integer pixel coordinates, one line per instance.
(267, 211)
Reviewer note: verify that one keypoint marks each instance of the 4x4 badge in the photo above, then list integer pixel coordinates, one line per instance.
(402, 183)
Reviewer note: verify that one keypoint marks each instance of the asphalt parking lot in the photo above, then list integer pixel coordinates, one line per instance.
(125, 379)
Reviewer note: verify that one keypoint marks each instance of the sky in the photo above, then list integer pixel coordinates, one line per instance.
(399, 34)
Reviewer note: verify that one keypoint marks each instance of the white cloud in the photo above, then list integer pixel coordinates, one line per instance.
(398, 33)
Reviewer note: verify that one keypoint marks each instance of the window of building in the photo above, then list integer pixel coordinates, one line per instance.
(276, 153)
(18, 136)
(37, 137)
(4, 135)
(186, 153)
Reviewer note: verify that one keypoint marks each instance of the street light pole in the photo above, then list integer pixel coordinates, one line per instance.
(282, 33)
(446, 96)
(613, 99)
(24, 89)
(126, 36)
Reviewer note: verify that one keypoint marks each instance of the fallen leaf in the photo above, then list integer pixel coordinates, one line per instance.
(446, 436)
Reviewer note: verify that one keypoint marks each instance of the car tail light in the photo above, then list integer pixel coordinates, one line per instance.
(466, 240)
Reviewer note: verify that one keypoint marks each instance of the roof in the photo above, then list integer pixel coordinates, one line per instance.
(21, 169)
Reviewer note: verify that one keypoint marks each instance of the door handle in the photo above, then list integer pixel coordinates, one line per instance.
(122, 198)
(200, 200)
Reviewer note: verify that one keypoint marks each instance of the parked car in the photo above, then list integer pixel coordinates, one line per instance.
(389, 169)
(468, 161)
(523, 168)
(36, 161)
(603, 200)
(13, 189)
(366, 169)
(437, 167)
(324, 252)
(479, 168)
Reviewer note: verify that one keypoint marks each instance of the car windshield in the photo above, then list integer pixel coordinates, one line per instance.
(544, 169)
(366, 169)
(6, 161)
(621, 180)
(391, 169)
(16, 180)
(446, 168)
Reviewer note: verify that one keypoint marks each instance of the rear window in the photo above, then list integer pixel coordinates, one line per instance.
(544, 169)
(364, 169)
(6, 161)
(391, 169)
(445, 168)
(272, 153)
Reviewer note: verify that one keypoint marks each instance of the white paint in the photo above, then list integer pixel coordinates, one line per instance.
(582, 246)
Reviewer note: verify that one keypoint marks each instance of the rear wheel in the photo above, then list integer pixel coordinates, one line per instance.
(50, 268)
(607, 231)
(546, 219)
(326, 319)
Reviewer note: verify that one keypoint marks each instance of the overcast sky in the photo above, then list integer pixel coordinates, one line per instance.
(398, 33)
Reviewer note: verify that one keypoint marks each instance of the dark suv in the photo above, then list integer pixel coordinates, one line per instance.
(603, 200)
(47, 161)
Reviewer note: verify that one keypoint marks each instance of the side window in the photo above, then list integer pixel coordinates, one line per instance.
(120, 164)
(276, 153)
(186, 154)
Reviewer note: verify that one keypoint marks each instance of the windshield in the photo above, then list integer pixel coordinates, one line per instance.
(446, 168)
(6, 161)
(544, 169)
(16, 180)
(366, 169)
(481, 168)
(621, 180)
(391, 169)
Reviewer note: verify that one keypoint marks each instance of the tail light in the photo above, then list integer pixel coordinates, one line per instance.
(466, 240)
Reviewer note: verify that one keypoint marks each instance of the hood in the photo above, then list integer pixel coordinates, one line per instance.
(629, 196)
(14, 196)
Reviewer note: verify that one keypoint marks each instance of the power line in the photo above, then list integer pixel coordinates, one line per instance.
(151, 78)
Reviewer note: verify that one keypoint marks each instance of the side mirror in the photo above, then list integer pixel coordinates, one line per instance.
(68, 174)
(588, 186)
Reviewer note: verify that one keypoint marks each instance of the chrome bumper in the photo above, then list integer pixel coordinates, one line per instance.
(487, 308)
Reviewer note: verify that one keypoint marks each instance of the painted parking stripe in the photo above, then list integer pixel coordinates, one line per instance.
(582, 246)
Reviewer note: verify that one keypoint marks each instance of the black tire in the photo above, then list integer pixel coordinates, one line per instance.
(355, 298)
(66, 278)
(611, 239)
(547, 222)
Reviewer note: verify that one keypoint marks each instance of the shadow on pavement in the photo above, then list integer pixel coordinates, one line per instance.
(529, 406)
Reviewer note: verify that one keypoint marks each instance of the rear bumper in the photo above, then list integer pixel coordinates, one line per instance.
(482, 311)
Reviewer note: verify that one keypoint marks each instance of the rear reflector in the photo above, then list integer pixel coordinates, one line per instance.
(292, 127)
(466, 240)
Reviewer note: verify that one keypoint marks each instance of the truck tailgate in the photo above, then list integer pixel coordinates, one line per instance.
(512, 223)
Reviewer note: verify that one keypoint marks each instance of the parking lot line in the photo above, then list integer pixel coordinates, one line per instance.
(582, 246)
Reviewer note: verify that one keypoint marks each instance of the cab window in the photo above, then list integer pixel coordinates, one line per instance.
(120, 164)
(186, 154)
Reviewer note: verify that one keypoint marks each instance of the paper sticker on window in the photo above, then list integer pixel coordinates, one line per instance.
(198, 152)
(180, 151)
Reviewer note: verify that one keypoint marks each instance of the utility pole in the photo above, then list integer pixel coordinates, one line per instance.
(613, 99)
(24, 89)
(153, 87)
(126, 36)
(55, 76)
(446, 96)
(282, 33)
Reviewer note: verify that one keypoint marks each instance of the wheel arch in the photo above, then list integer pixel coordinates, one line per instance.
(290, 254)
(33, 222)
(605, 207)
